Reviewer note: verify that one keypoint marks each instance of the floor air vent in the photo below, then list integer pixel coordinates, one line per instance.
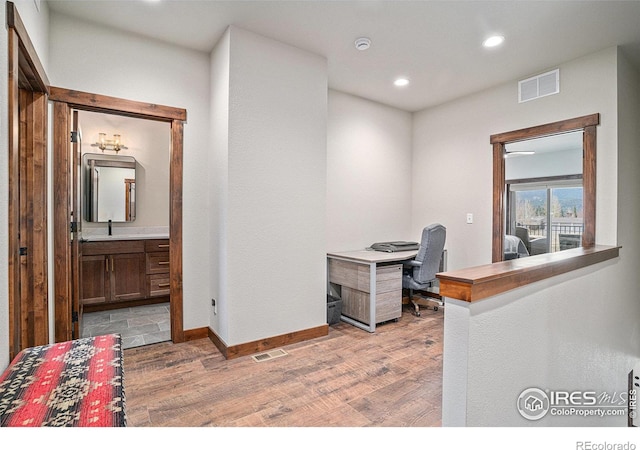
(539, 86)
(266, 356)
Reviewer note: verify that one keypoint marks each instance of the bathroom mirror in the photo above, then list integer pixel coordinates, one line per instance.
(109, 188)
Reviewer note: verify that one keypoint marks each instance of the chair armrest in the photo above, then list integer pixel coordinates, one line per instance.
(411, 263)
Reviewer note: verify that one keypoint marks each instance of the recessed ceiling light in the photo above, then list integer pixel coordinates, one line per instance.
(363, 43)
(401, 82)
(493, 41)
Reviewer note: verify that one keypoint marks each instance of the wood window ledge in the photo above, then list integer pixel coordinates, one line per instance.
(476, 283)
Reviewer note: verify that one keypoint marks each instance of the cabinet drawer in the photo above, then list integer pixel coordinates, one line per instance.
(112, 247)
(158, 285)
(156, 245)
(157, 263)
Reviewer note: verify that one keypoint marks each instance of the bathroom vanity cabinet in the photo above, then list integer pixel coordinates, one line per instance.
(117, 272)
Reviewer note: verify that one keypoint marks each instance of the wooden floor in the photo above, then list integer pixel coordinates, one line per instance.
(350, 378)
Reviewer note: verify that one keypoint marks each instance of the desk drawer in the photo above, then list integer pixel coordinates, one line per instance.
(388, 278)
(356, 276)
(157, 263)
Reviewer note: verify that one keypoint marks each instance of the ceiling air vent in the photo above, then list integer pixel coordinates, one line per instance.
(539, 86)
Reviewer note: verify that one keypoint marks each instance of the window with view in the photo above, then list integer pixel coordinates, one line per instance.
(548, 218)
(544, 192)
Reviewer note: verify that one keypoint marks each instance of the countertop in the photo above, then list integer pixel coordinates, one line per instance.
(123, 237)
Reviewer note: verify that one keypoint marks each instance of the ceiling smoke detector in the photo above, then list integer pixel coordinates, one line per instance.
(363, 43)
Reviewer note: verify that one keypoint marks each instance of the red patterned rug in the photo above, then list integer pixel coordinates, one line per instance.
(76, 383)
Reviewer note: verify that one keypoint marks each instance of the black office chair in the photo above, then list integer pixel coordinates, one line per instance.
(523, 234)
(420, 272)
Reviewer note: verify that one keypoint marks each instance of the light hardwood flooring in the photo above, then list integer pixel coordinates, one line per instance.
(350, 378)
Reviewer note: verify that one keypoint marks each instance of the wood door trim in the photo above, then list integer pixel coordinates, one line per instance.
(175, 116)
(175, 231)
(25, 72)
(14, 190)
(588, 125)
(114, 105)
(61, 240)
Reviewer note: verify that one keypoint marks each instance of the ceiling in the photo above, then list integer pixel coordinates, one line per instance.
(435, 44)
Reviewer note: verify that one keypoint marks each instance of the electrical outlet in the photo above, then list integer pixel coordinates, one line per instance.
(469, 217)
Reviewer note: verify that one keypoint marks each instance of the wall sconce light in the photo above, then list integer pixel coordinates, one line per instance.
(114, 144)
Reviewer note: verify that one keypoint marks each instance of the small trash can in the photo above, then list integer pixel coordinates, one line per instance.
(334, 309)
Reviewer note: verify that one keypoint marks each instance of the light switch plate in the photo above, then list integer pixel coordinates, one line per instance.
(469, 217)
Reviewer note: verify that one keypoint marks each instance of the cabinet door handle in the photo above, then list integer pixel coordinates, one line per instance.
(164, 285)
(163, 263)
(106, 265)
(112, 263)
(163, 245)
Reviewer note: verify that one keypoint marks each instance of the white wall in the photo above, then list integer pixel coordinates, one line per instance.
(150, 71)
(36, 21)
(275, 198)
(452, 159)
(576, 331)
(368, 168)
(219, 183)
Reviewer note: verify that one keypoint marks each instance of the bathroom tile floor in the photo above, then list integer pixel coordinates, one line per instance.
(138, 326)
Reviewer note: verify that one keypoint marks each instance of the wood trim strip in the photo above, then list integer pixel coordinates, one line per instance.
(103, 103)
(34, 286)
(476, 283)
(27, 325)
(29, 52)
(551, 179)
(250, 348)
(589, 186)
(547, 129)
(175, 230)
(498, 202)
(14, 197)
(61, 214)
(196, 333)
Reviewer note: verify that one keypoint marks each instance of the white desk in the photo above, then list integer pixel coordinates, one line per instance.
(371, 285)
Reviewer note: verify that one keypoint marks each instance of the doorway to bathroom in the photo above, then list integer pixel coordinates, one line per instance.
(67, 173)
(123, 198)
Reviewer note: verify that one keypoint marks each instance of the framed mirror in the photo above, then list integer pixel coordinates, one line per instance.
(544, 188)
(109, 188)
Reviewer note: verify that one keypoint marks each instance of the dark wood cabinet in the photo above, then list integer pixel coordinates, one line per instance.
(157, 267)
(128, 280)
(123, 271)
(95, 280)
